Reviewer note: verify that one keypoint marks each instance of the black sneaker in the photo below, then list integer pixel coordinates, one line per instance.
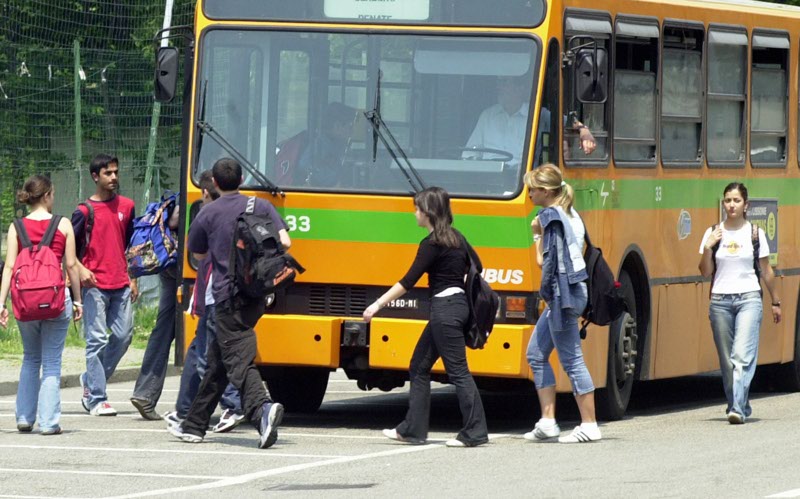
(271, 417)
(145, 409)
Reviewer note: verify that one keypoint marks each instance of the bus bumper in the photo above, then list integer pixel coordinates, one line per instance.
(295, 340)
(392, 343)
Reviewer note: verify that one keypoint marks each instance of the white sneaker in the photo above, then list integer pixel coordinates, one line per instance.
(103, 409)
(400, 438)
(581, 435)
(177, 432)
(542, 432)
(228, 421)
(172, 418)
(735, 418)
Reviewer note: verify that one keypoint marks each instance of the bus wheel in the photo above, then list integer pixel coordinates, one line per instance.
(786, 377)
(299, 389)
(612, 401)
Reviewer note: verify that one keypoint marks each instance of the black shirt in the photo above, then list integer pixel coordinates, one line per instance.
(446, 267)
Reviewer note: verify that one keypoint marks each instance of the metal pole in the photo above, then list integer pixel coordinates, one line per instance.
(151, 146)
(76, 48)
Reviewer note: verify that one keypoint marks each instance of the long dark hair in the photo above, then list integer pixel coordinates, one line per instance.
(742, 190)
(435, 203)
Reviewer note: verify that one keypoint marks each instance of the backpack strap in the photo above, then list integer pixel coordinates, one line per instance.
(50, 233)
(22, 233)
(713, 261)
(87, 227)
(251, 205)
(756, 250)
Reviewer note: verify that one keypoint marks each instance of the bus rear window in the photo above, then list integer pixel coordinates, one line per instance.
(517, 13)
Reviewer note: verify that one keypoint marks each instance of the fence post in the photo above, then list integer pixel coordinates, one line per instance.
(76, 48)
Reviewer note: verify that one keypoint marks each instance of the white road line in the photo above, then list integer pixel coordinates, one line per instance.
(242, 479)
(130, 390)
(37, 497)
(353, 392)
(112, 473)
(788, 493)
(170, 451)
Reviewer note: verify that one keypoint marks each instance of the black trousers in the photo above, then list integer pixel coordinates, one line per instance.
(230, 358)
(444, 337)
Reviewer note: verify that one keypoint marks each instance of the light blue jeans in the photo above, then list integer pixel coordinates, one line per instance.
(736, 320)
(43, 344)
(567, 343)
(108, 330)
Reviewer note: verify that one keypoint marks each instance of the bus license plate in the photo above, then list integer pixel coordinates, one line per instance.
(404, 304)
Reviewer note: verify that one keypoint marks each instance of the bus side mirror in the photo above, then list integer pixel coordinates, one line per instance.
(166, 76)
(591, 75)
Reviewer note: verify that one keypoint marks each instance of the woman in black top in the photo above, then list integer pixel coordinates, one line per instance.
(443, 254)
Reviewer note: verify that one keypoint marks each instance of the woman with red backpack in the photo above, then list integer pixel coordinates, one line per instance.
(36, 247)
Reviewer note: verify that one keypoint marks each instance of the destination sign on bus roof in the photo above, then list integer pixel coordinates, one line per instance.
(504, 13)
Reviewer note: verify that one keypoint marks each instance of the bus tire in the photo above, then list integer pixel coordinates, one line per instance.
(299, 389)
(612, 401)
(786, 377)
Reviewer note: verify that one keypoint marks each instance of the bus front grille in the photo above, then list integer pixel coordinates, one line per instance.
(337, 300)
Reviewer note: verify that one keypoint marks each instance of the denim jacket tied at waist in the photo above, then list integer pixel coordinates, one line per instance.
(563, 268)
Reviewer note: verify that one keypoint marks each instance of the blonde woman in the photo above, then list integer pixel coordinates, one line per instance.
(42, 340)
(559, 234)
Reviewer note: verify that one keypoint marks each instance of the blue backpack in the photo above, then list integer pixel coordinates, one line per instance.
(153, 247)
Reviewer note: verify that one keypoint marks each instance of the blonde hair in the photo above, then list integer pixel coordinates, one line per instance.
(548, 176)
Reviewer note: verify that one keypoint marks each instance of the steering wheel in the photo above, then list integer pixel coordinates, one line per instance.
(502, 155)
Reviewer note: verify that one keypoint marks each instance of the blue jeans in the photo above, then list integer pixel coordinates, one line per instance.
(150, 382)
(193, 369)
(108, 329)
(230, 397)
(43, 344)
(567, 343)
(735, 321)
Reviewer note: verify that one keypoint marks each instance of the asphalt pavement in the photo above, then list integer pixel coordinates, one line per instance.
(676, 443)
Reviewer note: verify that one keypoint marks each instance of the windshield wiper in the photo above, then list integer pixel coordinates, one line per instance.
(380, 130)
(205, 128)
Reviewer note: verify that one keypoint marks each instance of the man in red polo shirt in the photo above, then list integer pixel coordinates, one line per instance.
(108, 293)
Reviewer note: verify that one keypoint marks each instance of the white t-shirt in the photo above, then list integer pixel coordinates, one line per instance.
(496, 129)
(578, 229)
(735, 273)
(209, 296)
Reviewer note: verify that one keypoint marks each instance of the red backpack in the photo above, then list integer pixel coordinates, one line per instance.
(37, 284)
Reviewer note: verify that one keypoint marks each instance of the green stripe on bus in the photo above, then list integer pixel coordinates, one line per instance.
(514, 232)
(651, 194)
(401, 228)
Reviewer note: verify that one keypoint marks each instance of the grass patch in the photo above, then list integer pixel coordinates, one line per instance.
(144, 318)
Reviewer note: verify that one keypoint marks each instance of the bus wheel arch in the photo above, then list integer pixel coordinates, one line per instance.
(786, 377)
(627, 338)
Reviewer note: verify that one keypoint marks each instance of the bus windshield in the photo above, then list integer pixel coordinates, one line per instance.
(296, 105)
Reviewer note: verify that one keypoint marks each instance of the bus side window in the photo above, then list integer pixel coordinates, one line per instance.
(635, 77)
(727, 88)
(547, 137)
(682, 96)
(770, 99)
(587, 26)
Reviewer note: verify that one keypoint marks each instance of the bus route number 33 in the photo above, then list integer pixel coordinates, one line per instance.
(301, 223)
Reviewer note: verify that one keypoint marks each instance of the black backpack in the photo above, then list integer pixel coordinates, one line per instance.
(605, 300)
(483, 305)
(83, 246)
(258, 263)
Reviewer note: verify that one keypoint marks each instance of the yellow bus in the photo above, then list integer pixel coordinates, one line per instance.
(682, 97)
